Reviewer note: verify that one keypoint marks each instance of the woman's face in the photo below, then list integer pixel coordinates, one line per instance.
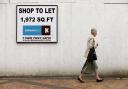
(95, 33)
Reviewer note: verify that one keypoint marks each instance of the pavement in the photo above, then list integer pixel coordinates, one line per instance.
(62, 83)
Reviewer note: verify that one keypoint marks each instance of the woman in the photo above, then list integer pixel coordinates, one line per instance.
(91, 57)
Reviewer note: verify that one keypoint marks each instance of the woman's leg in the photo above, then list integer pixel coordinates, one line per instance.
(96, 71)
(97, 74)
(82, 72)
(98, 79)
(80, 78)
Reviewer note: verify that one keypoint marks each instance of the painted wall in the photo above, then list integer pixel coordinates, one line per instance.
(76, 17)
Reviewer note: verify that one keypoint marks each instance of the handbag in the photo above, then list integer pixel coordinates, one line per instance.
(91, 55)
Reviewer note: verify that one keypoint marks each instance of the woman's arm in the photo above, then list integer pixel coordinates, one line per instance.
(91, 43)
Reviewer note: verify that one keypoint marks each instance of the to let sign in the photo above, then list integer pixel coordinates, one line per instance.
(37, 23)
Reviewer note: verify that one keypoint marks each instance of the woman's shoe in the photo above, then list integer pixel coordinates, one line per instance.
(82, 81)
(99, 80)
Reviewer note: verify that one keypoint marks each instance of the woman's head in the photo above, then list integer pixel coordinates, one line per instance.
(94, 32)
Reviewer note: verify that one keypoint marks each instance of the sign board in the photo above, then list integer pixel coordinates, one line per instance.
(37, 23)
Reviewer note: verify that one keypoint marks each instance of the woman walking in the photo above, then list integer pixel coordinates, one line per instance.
(91, 57)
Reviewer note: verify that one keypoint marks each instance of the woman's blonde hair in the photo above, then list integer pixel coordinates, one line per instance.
(93, 30)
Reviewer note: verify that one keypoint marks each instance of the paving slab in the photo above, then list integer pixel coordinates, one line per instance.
(62, 83)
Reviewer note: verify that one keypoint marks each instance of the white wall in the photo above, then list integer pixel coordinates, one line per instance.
(76, 17)
(115, 1)
(4, 1)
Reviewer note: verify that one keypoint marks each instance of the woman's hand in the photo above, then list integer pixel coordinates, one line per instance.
(97, 44)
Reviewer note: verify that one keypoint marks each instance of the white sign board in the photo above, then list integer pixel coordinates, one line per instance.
(37, 23)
